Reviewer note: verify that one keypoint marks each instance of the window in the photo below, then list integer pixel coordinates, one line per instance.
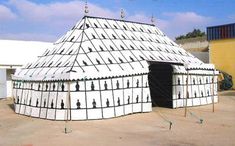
(103, 36)
(98, 61)
(167, 50)
(110, 61)
(43, 64)
(131, 59)
(180, 52)
(54, 51)
(84, 63)
(157, 40)
(132, 47)
(151, 57)
(106, 26)
(89, 49)
(36, 65)
(70, 52)
(58, 64)
(122, 47)
(120, 60)
(50, 64)
(123, 37)
(114, 36)
(29, 65)
(93, 36)
(95, 25)
(141, 47)
(47, 53)
(61, 51)
(142, 58)
(111, 48)
(67, 64)
(73, 27)
(72, 38)
(101, 48)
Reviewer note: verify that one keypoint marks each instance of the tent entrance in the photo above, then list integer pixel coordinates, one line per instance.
(160, 83)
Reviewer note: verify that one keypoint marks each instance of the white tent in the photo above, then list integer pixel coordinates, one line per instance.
(105, 68)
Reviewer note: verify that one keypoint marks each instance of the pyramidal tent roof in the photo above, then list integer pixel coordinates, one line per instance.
(101, 47)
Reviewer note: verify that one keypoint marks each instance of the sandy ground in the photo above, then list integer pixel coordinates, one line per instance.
(149, 129)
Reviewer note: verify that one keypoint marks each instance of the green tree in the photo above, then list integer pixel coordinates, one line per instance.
(195, 33)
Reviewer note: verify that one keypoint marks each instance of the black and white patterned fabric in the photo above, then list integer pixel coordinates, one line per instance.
(99, 69)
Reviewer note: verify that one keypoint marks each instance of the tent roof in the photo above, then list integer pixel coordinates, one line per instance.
(101, 47)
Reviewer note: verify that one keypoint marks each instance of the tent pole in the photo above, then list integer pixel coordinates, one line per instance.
(213, 102)
(68, 107)
(187, 95)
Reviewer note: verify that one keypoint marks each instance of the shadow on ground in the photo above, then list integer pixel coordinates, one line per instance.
(11, 107)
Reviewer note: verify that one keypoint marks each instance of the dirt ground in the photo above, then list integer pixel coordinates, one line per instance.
(149, 129)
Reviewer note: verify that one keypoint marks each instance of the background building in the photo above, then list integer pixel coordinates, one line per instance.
(197, 46)
(222, 47)
(13, 55)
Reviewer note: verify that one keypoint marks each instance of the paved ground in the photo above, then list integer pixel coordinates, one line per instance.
(148, 129)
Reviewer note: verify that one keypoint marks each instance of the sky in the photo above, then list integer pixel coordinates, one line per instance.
(47, 20)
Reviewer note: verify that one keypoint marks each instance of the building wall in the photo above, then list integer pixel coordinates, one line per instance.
(2, 83)
(222, 55)
(203, 56)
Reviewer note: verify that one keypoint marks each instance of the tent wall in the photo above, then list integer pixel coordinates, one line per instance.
(200, 88)
(89, 99)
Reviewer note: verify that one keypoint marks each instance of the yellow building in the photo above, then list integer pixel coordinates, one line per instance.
(222, 48)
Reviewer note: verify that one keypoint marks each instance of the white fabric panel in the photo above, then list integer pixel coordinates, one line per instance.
(78, 114)
(28, 108)
(137, 107)
(128, 95)
(108, 112)
(119, 110)
(196, 101)
(209, 100)
(35, 111)
(147, 107)
(52, 101)
(189, 102)
(216, 99)
(203, 101)
(62, 114)
(118, 101)
(94, 113)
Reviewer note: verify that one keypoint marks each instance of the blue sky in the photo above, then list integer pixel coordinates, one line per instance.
(47, 20)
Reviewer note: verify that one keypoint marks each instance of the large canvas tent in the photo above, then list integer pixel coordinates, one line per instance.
(105, 68)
